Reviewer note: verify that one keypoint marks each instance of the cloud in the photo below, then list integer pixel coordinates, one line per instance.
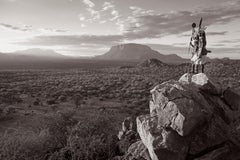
(112, 14)
(81, 17)
(120, 24)
(115, 15)
(60, 30)
(237, 46)
(180, 44)
(103, 21)
(136, 11)
(154, 25)
(55, 40)
(83, 25)
(230, 41)
(218, 45)
(51, 30)
(111, 9)
(217, 33)
(23, 28)
(89, 3)
(94, 14)
(208, 33)
(107, 13)
(108, 6)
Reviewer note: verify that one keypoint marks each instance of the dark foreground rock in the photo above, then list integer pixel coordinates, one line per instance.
(193, 118)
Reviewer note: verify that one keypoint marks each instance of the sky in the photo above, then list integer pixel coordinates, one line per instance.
(91, 27)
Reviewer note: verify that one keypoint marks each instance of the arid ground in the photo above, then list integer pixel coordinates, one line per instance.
(39, 106)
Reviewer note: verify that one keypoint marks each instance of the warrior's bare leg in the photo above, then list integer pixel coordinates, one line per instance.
(193, 68)
(196, 68)
(202, 66)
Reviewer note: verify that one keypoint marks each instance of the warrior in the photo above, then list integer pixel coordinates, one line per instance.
(198, 44)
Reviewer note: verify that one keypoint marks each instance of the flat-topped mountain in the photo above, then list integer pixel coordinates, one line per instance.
(138, 52)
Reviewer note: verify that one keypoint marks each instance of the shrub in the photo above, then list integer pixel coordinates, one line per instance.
(26, 145)
(90, 139)
(77, 100)
(51, 101)
(62, 138)
(23, 146)
(36, 102)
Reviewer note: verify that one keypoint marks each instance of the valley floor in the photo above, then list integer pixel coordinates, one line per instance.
(33, 100)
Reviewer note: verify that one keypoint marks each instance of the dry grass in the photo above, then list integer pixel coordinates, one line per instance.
(63, 138)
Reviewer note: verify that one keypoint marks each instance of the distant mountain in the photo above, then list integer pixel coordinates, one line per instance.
(151, 63)
(3, 56)
(30, 59)
(31, 55)
(138, 52)
(39, 53)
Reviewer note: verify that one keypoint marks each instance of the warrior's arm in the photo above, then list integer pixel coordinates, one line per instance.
(204, 40)
(191, 42)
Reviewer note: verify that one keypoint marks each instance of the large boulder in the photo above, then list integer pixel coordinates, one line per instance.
(180, 107)
(188, 120)
(161, 143)
(218, 154)
(209, 136)
(127, 135)
(137, 151)
(232, 98)
(186, 78)
(127, 138)
(202, 81)
(206, 84)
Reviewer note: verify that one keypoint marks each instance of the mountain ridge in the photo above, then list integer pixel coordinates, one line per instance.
(138, 52)
(29, 55)
(37, 52)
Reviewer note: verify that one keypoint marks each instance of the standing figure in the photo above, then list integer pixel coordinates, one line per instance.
(198, 43)
(194, 41)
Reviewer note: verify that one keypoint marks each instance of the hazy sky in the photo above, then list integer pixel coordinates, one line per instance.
(91, 27)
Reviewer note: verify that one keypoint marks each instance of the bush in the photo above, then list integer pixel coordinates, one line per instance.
(26, 145)
(90, 139)
(62, 138)
(78, 99)
(51, 101)
(23, 146)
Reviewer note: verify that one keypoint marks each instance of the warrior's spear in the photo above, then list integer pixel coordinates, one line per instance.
(200, 24)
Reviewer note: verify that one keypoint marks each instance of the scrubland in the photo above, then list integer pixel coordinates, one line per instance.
(76, 113)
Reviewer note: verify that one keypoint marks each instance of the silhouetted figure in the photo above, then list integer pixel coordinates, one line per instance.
(194, 45)
(198, 44)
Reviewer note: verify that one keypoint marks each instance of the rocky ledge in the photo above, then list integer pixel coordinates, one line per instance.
(190, 119)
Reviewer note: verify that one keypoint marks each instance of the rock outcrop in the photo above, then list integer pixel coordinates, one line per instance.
(192, 118)
(127, 136)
